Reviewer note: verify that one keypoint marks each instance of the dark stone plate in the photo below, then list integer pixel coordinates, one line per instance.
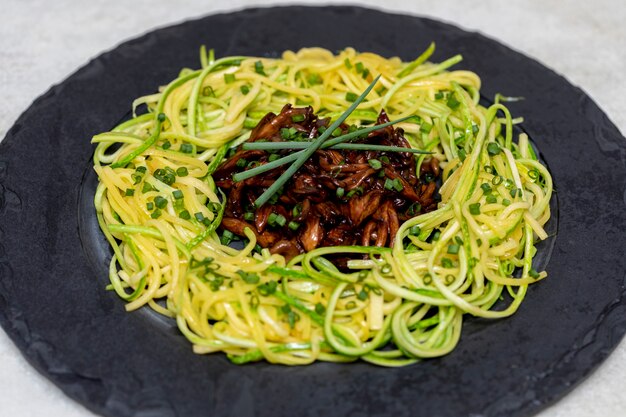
(54, 306)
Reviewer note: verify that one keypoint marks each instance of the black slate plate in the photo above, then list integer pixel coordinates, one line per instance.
(54, 307)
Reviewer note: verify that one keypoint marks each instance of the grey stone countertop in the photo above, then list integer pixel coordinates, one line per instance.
(42, 42)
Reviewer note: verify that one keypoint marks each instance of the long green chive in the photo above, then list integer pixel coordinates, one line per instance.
(474, 208)
(240, 176)
(306, 154)
(350, 146)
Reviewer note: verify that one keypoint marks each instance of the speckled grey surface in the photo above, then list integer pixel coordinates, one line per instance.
(542, 372)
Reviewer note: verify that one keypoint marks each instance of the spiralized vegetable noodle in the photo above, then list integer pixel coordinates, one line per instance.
(160, 210)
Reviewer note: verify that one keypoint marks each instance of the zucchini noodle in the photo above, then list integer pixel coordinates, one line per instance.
(160, 210)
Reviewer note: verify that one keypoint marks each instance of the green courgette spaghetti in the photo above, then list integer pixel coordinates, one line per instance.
(160, 209)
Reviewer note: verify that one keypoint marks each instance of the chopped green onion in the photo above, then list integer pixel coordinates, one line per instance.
(447, 263)
(397, 185)
(506, 202)
(160, 202)
(375, 163)
(241, 163)
(156, 214)
(248, 277)
(184, 215)
(249, 216)
(453, 103)
(359, 67)
(340, 192)
(294, 225)
(351, 97)
(533, 274)
(415, 230)
(229, 78)
(426, 127)
(486, 188)
(129, 192)
(182, 172)
(493, 148)
(177, 194)
(388, 184)
(186, 148)
(150, 206)
(146, 188)
(244, 89)
(474, 208)
(297, 118)
(273, 157)
(347, 63)
(491, 199)
(141, 169)
(453, 249)
(258, 68)
(166, 145)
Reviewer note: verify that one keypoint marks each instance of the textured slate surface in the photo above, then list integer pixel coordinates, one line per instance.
(118, 364)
